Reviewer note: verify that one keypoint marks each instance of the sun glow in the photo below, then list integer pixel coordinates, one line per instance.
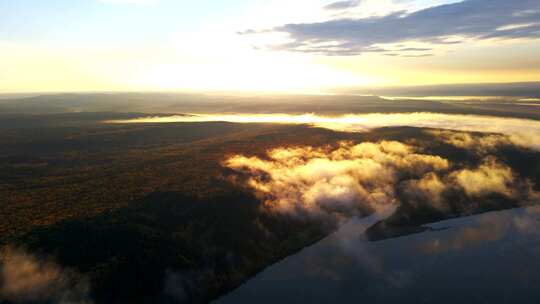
(241, 64)
(251, 75)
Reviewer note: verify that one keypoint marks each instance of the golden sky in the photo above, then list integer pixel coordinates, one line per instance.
(264, 46)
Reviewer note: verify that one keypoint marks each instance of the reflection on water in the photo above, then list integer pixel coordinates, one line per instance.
(489, 258)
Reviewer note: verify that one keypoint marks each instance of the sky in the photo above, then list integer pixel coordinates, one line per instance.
(264, 45)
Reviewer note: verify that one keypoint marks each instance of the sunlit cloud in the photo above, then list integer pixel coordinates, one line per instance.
(490, 177)
(471, 184)
(521, 132)
(479, 143)
(334, 183)
(352, 179)
(429, 188)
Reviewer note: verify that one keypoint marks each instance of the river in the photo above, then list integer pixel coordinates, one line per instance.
(488, 258)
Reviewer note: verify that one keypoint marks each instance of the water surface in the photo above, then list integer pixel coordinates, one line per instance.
(489, 258)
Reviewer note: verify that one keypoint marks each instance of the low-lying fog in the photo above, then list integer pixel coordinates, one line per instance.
(522, 132)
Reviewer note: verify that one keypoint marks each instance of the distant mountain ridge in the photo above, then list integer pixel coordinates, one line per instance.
(516, 89)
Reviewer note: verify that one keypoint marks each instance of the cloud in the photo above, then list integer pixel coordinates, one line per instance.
(25, 278)
(342, 5)
(130, 1)
(442, 24)
(429, 188)
(349, 179)
(490, 177)
(520, 132)
(480, 144)
(356, 179)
